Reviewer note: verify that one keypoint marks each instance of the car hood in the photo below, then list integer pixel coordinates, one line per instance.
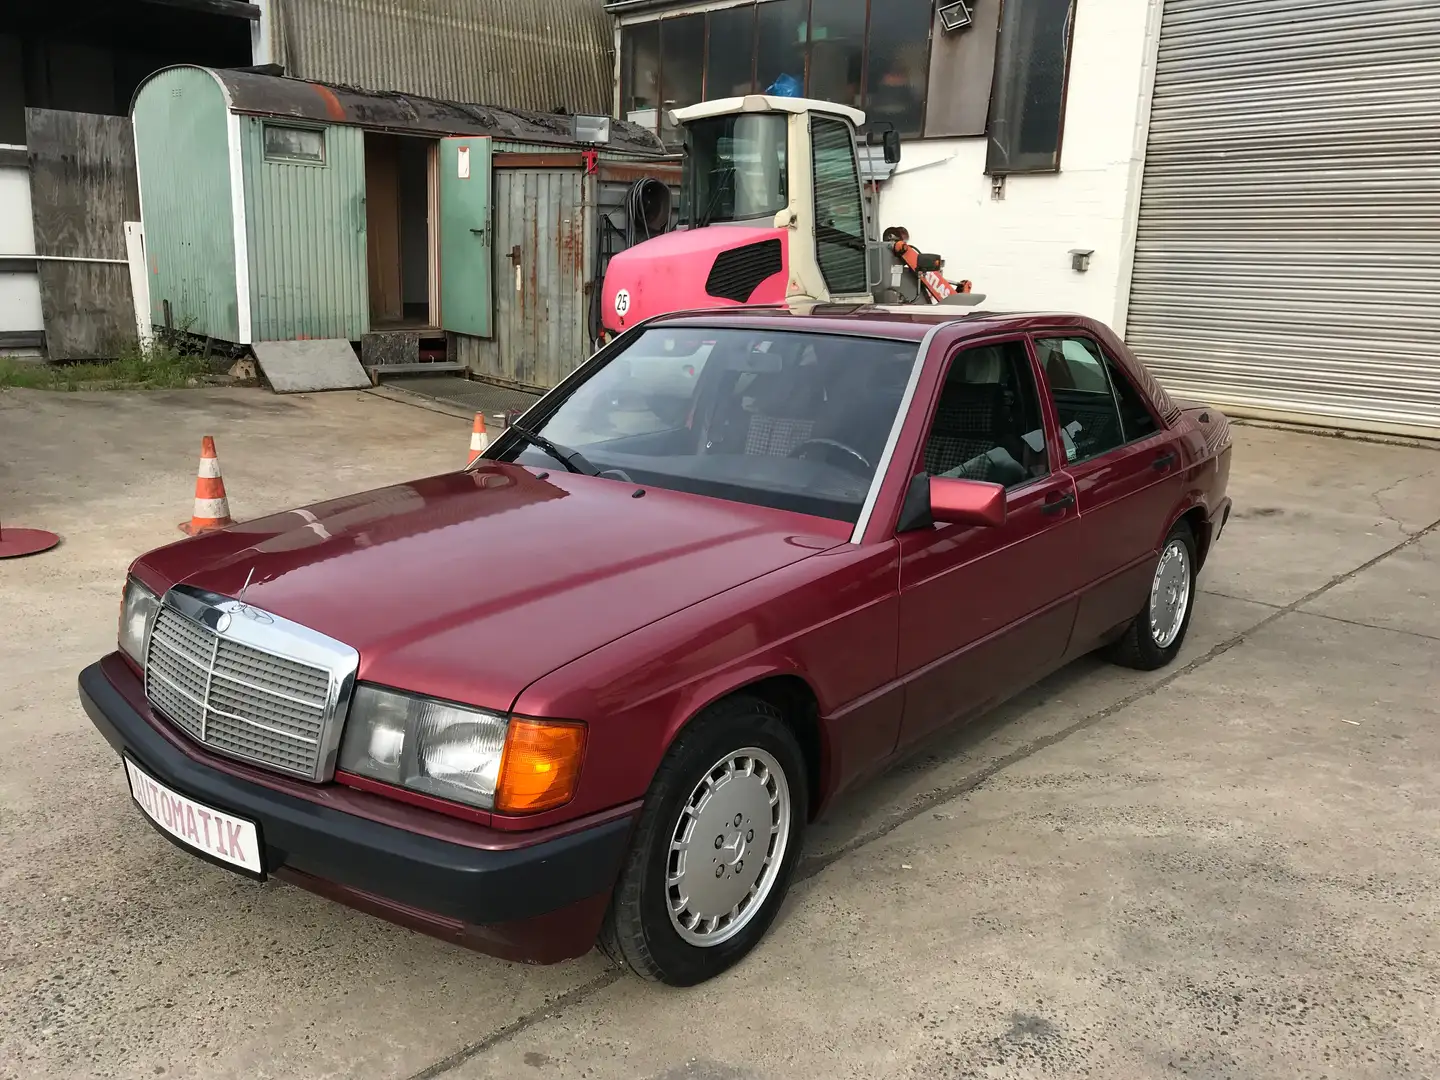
(470, 586)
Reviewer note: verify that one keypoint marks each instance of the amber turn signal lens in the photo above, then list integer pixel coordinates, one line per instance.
(540, 768)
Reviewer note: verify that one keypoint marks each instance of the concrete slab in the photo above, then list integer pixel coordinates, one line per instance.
(1308, 508)
(1208, 872)
(298, 367)
(1401, 593)
(1226, 880)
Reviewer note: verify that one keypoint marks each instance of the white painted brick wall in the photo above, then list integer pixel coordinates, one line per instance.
(1016, 251)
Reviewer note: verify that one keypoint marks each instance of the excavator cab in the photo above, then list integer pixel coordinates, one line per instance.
(772, 210)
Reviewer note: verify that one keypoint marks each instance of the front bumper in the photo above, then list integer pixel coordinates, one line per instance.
(499, 893)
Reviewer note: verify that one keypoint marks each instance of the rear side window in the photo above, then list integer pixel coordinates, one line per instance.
(1097, 406)
(839, 211)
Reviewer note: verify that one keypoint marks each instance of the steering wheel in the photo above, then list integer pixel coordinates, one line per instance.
(851, 453)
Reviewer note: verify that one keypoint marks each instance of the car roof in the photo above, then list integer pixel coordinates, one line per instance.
(896, 322)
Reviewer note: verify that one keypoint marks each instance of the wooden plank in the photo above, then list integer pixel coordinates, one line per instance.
(236, 9)
(14, 157)
(382, 222)
(83, 190)
(628, 174)
(539, 161)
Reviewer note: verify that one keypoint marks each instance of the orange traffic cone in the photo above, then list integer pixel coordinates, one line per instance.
(479, 441)
(212, 508)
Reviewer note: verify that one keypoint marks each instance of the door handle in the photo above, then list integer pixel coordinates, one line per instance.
(1165, 460)
(1060, 503)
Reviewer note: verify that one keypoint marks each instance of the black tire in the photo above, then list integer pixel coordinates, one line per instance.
(1138, 648)
(638, 932)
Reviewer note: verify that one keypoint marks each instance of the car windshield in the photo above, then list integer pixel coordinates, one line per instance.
(790, 420)
(735, 169)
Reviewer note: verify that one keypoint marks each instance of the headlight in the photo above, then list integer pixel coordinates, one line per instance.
(137, 616)
(466, 755)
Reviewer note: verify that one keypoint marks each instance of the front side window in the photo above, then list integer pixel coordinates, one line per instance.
(987, 424)
(839, 210)
(735, 168)
(1085, 403)
(790, 420)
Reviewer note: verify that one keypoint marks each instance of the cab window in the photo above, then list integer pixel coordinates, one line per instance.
(987, 424)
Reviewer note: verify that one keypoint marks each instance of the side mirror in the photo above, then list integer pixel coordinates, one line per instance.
(966, 502)
(891, 142)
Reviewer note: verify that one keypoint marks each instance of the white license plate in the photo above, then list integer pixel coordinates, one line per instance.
(222, 836)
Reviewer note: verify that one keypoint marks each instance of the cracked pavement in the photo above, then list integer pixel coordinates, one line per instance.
(1227, 868)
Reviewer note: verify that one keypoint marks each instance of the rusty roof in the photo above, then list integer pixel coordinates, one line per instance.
(409, 114)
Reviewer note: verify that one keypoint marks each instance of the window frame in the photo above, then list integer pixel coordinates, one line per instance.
(1052, 467)
(997, 162)
(286, 159)
(1109, 366)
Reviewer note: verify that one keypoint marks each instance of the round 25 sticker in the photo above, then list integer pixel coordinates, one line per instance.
(622, 302)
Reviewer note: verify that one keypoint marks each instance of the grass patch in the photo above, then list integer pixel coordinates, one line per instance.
(156, 368)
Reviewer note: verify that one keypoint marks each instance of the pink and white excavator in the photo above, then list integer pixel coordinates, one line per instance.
(773, 211)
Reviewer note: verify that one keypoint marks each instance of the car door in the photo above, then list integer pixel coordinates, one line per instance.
(985, 610)
(1128, 472)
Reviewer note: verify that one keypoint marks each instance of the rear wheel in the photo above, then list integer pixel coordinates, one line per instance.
(1155, 636)
(714, 849)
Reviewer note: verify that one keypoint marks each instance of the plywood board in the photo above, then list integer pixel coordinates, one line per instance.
(297, 367)
(83, 190)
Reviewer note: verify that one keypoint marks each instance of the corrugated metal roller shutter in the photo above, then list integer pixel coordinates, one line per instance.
(1288, 255)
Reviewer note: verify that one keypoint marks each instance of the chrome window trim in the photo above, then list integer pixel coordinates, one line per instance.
(882, 467)
(278, 636)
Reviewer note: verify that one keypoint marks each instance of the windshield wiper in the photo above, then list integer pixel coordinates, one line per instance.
(573, 460)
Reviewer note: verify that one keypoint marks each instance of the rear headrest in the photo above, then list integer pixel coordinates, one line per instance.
(985, 365)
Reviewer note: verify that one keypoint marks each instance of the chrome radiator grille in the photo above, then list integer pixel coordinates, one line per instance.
(238, 699)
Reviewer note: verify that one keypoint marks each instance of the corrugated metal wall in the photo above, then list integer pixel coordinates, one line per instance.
(1288, 256)
(183, 160)
(306, 231)
(540, 297)
(515, 53)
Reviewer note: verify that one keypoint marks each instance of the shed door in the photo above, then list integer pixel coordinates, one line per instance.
(1288, 256)
(466, 238)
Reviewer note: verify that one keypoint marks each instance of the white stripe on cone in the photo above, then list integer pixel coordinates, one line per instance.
(212, 509)
(479, 442)
(209, 467)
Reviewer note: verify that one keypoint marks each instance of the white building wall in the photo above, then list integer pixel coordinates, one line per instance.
(1016, 248)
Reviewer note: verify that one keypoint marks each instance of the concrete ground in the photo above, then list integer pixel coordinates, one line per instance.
(1226, 869)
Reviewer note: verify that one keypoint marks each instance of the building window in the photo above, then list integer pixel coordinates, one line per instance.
(294, 145)
(899, 65)
(730, 53)
(640, 75)
(1027, 105)
(837, 51)
(870, 54)
(839, 211)
(682, 67)
(780, 28)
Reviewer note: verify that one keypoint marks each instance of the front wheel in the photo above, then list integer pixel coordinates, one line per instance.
(714, 849)
(1154, 638)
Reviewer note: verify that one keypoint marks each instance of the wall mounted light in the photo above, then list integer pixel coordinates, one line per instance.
(955, 16)
(591, 129)
(1080, 260)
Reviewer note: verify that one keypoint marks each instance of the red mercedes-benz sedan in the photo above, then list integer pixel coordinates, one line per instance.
(595, 685)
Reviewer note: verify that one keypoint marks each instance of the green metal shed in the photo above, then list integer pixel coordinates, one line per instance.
(280, 209)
